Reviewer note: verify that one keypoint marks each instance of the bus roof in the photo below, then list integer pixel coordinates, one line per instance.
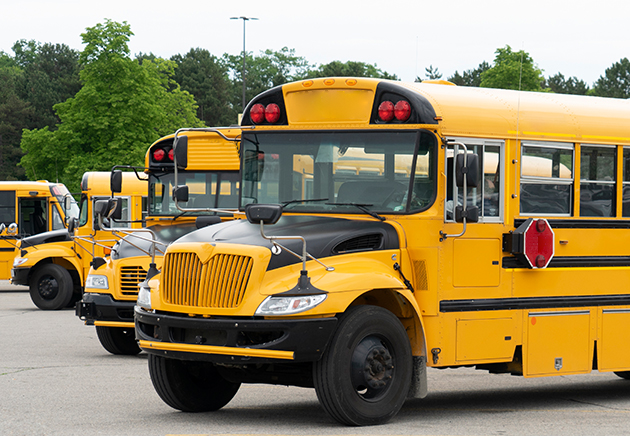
(460, 111)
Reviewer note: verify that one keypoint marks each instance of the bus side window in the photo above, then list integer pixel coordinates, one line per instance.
(487, 196)
(626, 182)
(597, 180)
(7, 207)
(546, 179)
(57, 222)
(32, 216)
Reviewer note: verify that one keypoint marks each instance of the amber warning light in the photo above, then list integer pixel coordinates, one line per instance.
(532, 243)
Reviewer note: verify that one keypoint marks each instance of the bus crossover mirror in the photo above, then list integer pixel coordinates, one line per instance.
(12, 229)
(471, 213)
(180, 193)
(265, 213)
(468, 169)
(115, 181)
(253, 165)
(110, 208)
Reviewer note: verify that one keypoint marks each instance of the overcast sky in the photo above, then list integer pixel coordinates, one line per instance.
(403, 37)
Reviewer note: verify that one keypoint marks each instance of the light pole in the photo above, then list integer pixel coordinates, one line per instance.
(244, 52)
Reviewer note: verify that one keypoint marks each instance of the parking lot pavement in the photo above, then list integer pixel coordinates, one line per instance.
(56, 379)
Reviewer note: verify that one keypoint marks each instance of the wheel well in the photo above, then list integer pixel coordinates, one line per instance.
(400, 306)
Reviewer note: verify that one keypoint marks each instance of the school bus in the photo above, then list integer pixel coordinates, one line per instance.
(211, 177)
(54, 264)
(393, 227)
(35, 207)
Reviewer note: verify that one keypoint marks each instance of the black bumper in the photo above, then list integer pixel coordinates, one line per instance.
(19, 276)
(102, 307)
(306, 338)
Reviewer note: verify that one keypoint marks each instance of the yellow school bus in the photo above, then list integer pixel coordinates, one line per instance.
(211, 175)
(54, 264)
(35, 207)
(487, 228)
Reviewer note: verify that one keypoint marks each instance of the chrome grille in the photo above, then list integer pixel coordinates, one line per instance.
(220, 283)
(130, 276)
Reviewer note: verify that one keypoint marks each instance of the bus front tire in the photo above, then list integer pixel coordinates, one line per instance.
(51, 287)
(364, 376)
(118, 340)
(190, 386)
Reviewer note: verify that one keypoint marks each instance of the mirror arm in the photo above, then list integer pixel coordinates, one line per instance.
(443, 235)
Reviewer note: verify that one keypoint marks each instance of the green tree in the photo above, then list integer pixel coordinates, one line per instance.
(572, 85)
(470, 77)
(51, 76)
(122, 107)
(269, 69)
(350, 69)
(15, 113)
(207, 79)
(513, 70)
(615, 82)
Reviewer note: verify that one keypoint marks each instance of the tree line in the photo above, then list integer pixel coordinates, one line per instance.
(64, 112)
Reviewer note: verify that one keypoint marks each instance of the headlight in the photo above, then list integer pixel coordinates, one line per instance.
(144, 297)
(98, 282)
(275, 305)
(19, 261)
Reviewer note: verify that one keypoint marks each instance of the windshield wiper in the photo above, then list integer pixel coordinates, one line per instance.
(363, 207)
(286, 203)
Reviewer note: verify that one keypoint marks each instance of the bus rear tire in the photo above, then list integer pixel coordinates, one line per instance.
(51, 287)
(623, 374)
(118, 340)
(190, 386)
(364, 376)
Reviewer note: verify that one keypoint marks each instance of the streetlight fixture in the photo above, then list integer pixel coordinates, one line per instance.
(244, 52)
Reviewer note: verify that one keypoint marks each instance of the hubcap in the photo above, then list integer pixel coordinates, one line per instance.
(372, 368)
(48, 287)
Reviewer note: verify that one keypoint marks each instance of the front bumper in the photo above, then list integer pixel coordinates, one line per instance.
(19, 276)
(97, 308)
(232, 340)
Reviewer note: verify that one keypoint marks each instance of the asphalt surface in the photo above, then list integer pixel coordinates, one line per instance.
(56, 379)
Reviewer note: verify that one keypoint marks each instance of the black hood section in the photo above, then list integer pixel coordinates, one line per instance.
(324, 236)
(164, 234)
(46, 238)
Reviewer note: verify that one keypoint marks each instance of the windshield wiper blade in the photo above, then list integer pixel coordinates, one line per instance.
(363, 207)
(286, 203)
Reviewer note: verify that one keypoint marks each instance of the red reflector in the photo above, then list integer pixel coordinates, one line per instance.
(257, 113)
(402, 110)
(386, 111)
(170, 154)
(272, 113)
(158, 155)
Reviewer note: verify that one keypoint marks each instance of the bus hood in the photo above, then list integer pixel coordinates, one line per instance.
(46, 238)
(324, 236)
(138, 243)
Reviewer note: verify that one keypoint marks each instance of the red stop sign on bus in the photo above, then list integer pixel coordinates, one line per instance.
(533, 243)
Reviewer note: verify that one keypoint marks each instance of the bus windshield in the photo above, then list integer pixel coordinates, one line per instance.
(381, 171)
(208, 189)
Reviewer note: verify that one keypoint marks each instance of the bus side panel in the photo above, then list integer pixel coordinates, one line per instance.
(613, 345)
(558, 342)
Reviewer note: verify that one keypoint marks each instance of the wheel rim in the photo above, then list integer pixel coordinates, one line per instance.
(372, 368)
(48, 287)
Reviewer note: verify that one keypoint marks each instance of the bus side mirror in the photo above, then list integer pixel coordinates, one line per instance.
(67, 202)
(72, 224)
(3, 227)
(253, 165)
(181, 152)
(110, 208)
(115, 181)
(180, 193)
(470, 170)
(265, 213)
